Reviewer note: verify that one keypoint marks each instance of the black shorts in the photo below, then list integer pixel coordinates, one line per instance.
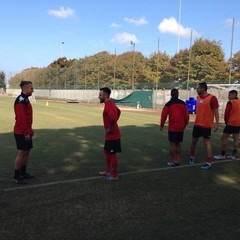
(175, 136)
(113, 146)
(22, 144)
(231, 129)
(201, 132)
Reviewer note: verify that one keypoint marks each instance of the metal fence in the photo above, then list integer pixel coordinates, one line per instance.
(159, 98)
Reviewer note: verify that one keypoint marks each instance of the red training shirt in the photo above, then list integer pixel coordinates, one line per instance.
(178, 114)
(111, 114)
(23, 115)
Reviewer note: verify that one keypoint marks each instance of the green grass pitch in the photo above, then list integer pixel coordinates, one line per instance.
(66, 199)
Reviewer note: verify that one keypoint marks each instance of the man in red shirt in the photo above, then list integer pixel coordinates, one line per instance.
(178, 114)
(232, 121)
(23, 131)
(111, 114)
(207, 109)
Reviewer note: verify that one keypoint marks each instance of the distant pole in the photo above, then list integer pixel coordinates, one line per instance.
(65, 82)
(58, 78)
(189, 62)
(114, 70)
(74, 77)
(85, 77)
(62, 49)
(157, 64)
(133, 43)
(179, 22)
(230, 60)
(98, 75)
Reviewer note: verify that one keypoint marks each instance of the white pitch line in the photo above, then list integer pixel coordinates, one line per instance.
(22, 187)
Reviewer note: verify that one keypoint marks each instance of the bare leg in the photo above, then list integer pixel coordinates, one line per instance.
(224, 141)
(207, 143)
(178, 151)
(193, 145)
(172, 151)
(235, 141)
(21, 159)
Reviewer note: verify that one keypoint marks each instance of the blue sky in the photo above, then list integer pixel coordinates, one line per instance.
(35, 33)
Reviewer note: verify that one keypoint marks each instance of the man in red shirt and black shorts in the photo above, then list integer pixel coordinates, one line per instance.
(206, 111)
(23, 131)
(232, 121)
(111, 114)
(177, 112)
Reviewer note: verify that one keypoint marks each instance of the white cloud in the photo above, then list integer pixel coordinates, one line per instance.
(124, 38)
(170, 25)
(62, 12)
(229, 22)
(115, 25)
(137, 22)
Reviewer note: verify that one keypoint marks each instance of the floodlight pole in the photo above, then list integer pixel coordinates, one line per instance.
(133, 43)
(157, 65)
(114, 71)
(179, 22)
(85, 77)
(189, 62)
(98, 75)
(230, 60)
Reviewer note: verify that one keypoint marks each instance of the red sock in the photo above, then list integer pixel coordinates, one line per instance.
(114, 162)
(209, 160)
(107, 161)
(172, 158)
(192, 154)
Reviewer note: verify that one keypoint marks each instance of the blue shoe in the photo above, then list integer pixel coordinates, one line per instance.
(192, 160)
(206, 166)
(170, 164)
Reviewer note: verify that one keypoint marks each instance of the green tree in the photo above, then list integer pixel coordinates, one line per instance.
(156, 66)
(177, 69)
(2, 80)
(207, 61)
(236, 66)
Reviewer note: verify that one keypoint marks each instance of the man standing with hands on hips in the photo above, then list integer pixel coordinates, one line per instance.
(23, 131)
(207, 110)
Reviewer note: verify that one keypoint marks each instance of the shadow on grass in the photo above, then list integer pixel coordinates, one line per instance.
(78, 152)
(61, 154)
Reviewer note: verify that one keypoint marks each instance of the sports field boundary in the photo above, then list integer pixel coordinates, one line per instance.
(22, 187)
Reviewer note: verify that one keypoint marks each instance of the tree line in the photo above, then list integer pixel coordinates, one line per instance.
(204, 61)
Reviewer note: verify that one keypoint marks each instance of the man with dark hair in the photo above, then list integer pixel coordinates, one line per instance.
(111, 114)
(232, 121)
(23, 131)
(177, 112)
(207, 109)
